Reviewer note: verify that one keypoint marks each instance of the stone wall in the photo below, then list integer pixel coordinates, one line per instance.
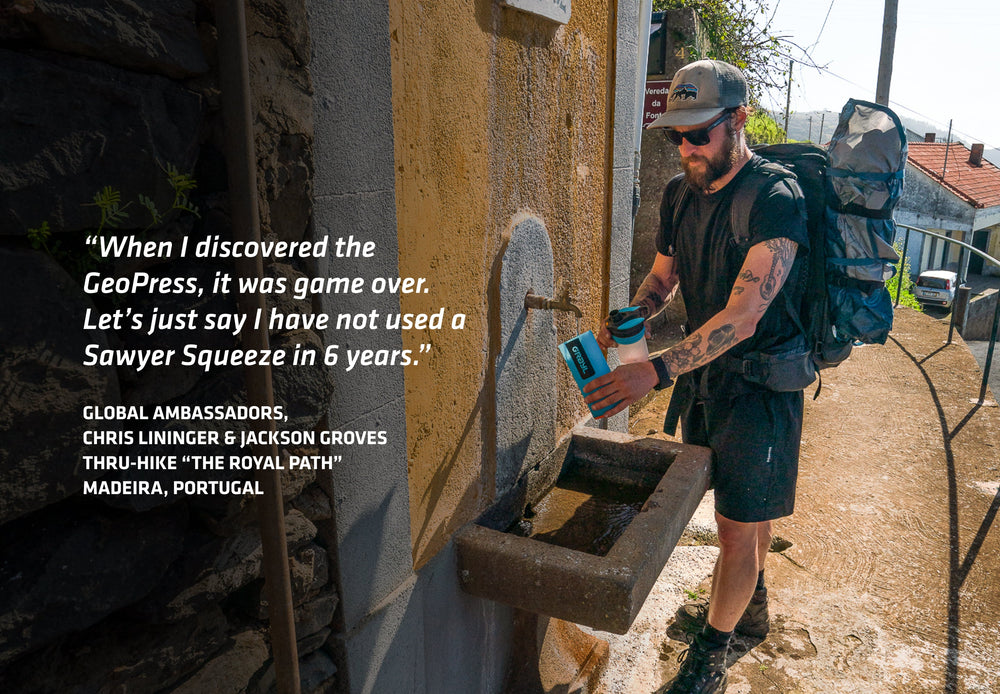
(141, 593)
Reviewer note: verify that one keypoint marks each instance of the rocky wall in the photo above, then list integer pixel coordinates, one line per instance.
(106, 593)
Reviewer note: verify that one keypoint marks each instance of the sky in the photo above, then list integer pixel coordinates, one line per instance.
(946, 63)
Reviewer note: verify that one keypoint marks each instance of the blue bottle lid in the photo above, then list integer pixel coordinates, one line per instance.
(626, 325)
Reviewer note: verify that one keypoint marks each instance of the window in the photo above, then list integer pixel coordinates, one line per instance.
(657, 60)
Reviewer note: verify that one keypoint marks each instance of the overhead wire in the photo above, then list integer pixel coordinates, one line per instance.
(822, 27)
(868, 91)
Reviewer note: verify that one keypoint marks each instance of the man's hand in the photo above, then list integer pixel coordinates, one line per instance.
(604, 338)
(627, 383)
(606, 341)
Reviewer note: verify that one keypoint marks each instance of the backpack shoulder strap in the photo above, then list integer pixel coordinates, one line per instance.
(680, 200)
(745, 195)
(748, 188)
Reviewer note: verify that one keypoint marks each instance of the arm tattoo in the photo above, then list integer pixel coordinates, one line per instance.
(689, 354)
(782, 248)
(650, 299)
(685, 356)
(747, 276)
(651, 295)
(721, 339)
(782, 254)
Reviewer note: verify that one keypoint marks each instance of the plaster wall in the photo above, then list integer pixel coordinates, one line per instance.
(979, 320)
(377, 639)
(986, 217)
(926, 204)
(993, 249)
(438, 127)
(497, 113)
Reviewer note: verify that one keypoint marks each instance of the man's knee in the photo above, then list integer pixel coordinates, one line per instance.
(735, 536)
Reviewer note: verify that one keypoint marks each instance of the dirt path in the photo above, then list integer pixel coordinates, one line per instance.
(891, 581)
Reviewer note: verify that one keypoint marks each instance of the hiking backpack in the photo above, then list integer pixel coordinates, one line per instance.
(851, 188)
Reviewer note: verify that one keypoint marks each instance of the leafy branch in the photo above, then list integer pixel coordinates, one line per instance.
(739, 32)
(108, 200)
(39, 237)
(113, 215)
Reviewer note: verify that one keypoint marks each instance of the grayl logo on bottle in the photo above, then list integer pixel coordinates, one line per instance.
(583, 365)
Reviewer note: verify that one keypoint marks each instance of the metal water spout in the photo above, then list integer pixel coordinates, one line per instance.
(560, 303)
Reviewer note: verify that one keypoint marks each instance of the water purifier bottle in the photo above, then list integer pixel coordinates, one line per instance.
(628, 328)
(586, 362)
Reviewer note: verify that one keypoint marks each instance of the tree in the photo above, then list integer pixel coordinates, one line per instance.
(762, 129)
(738, 33)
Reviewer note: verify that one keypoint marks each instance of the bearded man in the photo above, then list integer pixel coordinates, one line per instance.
(733, 294)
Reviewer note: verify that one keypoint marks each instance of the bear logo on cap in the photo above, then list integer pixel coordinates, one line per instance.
(684, 91)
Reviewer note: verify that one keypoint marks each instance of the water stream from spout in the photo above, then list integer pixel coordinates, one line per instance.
(582, 514)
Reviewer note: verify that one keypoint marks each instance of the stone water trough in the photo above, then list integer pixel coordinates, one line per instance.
(586, 546)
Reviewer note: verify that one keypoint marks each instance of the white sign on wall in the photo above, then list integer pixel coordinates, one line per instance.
(557, 10)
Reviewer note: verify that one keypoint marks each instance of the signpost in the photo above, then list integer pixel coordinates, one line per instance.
(655, 102)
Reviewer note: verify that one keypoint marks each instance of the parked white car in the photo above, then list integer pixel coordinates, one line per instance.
(936, 287)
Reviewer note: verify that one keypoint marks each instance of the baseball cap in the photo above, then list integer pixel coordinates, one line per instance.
(700, 91)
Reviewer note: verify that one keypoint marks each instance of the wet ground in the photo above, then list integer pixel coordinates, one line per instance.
(890, 581)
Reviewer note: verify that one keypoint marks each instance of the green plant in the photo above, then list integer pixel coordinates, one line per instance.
(181, 183)
(694, 594)
(906, 297)
(762, 129)
(738, 32)
(154, 214)
(108, 200)
(71, 254)
(39, 238)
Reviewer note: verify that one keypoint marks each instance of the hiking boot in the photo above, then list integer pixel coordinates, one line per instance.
(703, 670)
(755, 622)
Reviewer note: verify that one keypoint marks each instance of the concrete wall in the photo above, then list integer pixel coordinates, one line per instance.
(929, 205)
(377, 636)
(979, 320)
(926, 204)
(993, 249)
(438, 125)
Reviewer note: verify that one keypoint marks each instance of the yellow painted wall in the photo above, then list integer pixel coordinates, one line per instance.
(495, 112)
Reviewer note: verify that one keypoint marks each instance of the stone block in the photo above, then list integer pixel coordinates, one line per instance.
(353, 145)
(69, 568)
(45, 384)
(525, 379)
(370, 496)
(386, 652)
(158, 36)
(603, 590)
(74, 126)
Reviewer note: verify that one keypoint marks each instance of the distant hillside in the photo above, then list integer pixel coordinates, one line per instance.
(802, 125)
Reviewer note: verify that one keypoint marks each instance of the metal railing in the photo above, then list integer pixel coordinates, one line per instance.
(987, 366)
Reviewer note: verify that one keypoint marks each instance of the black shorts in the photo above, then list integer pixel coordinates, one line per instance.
(755, 441)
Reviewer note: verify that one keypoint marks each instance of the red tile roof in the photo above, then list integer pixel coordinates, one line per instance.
(977, 185)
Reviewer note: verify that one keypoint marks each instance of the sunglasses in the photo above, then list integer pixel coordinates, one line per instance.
(699, 137)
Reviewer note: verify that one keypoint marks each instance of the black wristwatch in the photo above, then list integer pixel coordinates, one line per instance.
(662, 373)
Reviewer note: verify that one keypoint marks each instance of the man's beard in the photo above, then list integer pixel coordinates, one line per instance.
(714, 168)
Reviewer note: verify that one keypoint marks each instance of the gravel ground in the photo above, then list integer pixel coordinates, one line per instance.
(888, 582)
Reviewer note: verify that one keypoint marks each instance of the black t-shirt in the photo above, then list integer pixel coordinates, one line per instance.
(708, 259)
